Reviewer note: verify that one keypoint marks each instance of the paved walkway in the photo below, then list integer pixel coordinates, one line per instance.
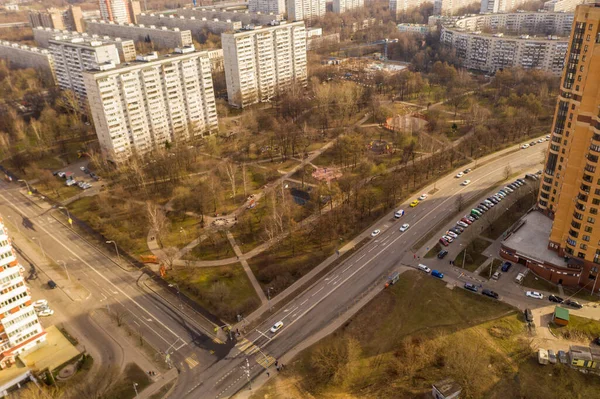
(253, 280)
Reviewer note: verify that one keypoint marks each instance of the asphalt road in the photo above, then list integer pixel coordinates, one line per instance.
(325, 300)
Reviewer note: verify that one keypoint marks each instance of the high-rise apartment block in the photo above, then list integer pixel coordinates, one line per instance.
(450, 7)
(340, 6)
(570, 184)
(20, 331)
(267, 6)
(134, 8)
(141, 106)
(305, 10)
(160, 37)
(400, 6)
(562, 5)
(246, 17)
(493, 6)
(72, 56)
(262, 61)
(198, 26)
(22, 56)
(69, 18)
(114, 10)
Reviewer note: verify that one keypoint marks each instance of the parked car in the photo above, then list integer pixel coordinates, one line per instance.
(470, 287)
(554, 298)
(519, 279)
(466, 221)
(534, 295)
(496, 276)
(573, 304)
(375, 233)
(551, 356)
(524, 146)
(506, 266)
(40, 303)
(459, 175)
(424, 268)
(82, 168)
(423, 197)
(442, 254)
(528, 315)
(508, 189)
(456, 230)
(61, 174)
(562, 357)
(443, 242)
(466, 182)
(52, 284)
(404, 227)
(399, 213)
(436, 273)
(46, 313)
(94, 176)
(277, 326)
(448, 238)
(490, 293)
(466, 171)
(463, 224)
(451, 234)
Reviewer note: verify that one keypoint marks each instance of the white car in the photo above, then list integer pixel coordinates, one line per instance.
(451, 234)
(375, 233)
(399, 213)
(46, 312)
(404, 227)
(459, 175)
(422, 197)
(462, 224)
(466, 182)
(82, 168)
(40, 303)
(277, 326)
(541, 140)
(534, 294)
(524, 146)
(448, 238)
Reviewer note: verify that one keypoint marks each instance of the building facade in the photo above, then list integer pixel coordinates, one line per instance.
(21, 331)
(494, 6)
(340, 6)
(562, 5)
(261, 61)
(22, 56)
(134, 8)
(570, 185)
(400, 6)
(544, 23)
(160, 37)
(140, 106)
(74, 55)
(196, 25)
(267, 6)
(305, 10)
(246, 17)
(114, 10)
(450, 7)
(421, 29)
(69, 18)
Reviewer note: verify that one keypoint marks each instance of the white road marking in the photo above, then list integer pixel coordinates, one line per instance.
(306, 300)
(320, 289)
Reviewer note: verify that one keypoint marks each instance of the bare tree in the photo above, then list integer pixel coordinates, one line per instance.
(244, 180)
(158, 220)
(230, 170)
(507, 172)
(460, 202)
(104, 380)
(169, 257)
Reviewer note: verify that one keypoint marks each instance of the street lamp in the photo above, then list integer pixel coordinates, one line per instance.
(65, 266)
(135, 384)
(29, 192)
(68, 215)
(182, 230)
(178, 293)
(269, 297)
(40, 244)
(116, 249)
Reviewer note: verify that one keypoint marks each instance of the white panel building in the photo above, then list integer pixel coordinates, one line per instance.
(340, 6)
(20, 329)
(493, 6)
(562, 5)
(261, 61)
(156, 100)
(114, 10)
(305, 10)
(267, 6)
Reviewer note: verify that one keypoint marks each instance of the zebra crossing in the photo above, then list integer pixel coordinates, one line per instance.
(249, 348)
(191, 361)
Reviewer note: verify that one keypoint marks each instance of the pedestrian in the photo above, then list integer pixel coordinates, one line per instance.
(268, 374)
(277, 367)
(276, 363)
(414, 256)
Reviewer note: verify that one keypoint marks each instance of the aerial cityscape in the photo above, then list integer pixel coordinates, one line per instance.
(299, 199)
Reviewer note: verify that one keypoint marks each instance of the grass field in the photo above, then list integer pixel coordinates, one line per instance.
(579, 328)
(429, 333)
(474, 257)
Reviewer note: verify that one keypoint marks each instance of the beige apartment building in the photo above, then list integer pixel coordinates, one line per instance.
(196, 25)
(69, 18)
(161, 37)
(305, 10)
(22, 56)
(340, 6)
(261, 61)
(246, 17)
(140, 106)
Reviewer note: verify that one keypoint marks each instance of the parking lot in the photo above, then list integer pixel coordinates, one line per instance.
(79, 174)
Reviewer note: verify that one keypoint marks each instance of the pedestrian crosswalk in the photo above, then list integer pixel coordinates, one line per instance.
(218, 341)
(191, 361)
(246, 347)
(266, 361)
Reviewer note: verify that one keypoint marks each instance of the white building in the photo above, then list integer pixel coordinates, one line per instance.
(546, 23)
(562, 5)
(261, 61)
(114, 10)
(493, 6)
(421, 29)
(340, 6)
(267, 6)
(140, 106)
(305, 10)
(450, 7)
(72, 56)
(21, 331)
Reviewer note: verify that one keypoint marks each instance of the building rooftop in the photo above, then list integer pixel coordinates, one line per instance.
(57, 351)
(532, 238)
(561, 313)
(447, 387)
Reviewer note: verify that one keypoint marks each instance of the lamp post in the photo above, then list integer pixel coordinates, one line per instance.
(178, 293)
(68, 215)
(65, 266)
(29, 192)
(116, 249)
(135, 384)
(40, 244)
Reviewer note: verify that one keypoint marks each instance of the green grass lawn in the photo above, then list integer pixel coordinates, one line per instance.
(215, 247)
(225, 290)
(432, 253)
(579, 328)
(487, 271)
(474, 257)
(508, 218)
(182, 231)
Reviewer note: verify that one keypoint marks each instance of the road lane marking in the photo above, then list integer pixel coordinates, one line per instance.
(306, 300)
(320, 289)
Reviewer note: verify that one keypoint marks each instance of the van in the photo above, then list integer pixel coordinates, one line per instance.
(519, 278)
(436, 273)
(423, 268)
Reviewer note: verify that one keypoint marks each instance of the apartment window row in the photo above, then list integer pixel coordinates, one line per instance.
(14, 299)
(7, 254)
(26, 336)
(20, 318)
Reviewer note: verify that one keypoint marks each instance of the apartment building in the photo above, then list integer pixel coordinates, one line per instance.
(305, 10)
(340, 6)
(114, 10)
(126, 48)
(570, 183)
(134, 8)
(494, 6)
(21, 330)
(217, 63)
(267, 6)
(140, 106)
(260, 61)
(545, 23)
(69, 18)
(161, 37)
(246, 17)
(562, 5)
(21, 56)
(421, 29)
(74, 55)
(450, 7)
(196, 25)
(400, 6)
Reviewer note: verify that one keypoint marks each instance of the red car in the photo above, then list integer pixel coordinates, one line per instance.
(467, 221)
(443, 242)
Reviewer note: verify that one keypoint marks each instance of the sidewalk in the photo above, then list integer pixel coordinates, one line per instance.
(246, 266)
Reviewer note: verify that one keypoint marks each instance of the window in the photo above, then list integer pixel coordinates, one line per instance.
(586, 238)
(588, 229)
(591, 220)
(581, 255)
(594, 211)
(583, 246)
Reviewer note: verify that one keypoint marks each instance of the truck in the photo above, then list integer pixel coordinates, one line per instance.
(392, 279)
